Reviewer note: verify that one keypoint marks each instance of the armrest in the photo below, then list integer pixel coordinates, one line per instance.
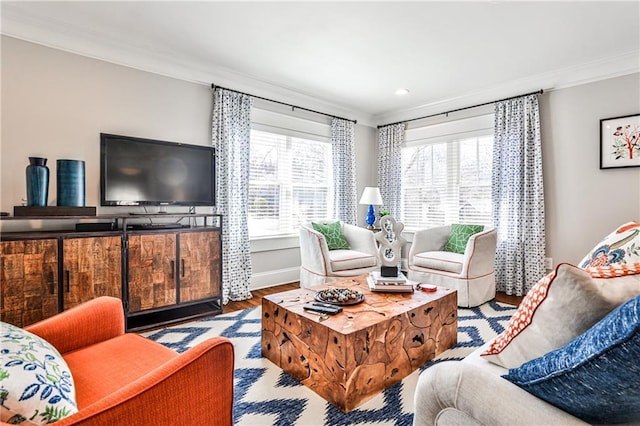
(314, 252)
(94, 321)
(480, 254)
(360, 239)
(196, 386)
(431, 239)
(482, 396)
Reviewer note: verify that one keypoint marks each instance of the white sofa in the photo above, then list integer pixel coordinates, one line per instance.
(471, 392)
(593, 372)
(472, 274)
(321, 265)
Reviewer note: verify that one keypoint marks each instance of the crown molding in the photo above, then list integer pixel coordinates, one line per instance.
(78, 40)
(601, 69)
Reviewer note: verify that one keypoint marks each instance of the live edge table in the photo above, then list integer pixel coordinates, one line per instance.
(350, 357)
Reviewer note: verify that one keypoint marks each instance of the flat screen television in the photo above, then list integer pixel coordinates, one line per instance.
(137, 172)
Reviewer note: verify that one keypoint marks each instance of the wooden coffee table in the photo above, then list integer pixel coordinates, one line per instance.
(350, 357)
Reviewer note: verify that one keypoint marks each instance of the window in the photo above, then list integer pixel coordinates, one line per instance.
(447, 182)
(290, 183)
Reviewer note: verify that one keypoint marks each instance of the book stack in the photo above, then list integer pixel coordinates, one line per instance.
(397, 284)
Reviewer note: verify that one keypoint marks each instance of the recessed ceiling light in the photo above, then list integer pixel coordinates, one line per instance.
(402, 92)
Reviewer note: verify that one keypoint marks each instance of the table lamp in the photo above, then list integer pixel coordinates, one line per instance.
(371, 195)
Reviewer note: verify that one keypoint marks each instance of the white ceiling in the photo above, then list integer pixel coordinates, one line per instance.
(348, 58)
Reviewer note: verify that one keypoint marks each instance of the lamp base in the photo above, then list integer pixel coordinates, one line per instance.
(371, 216)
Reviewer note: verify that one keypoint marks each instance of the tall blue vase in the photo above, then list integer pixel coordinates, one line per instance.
(37, 182)
(70, 183)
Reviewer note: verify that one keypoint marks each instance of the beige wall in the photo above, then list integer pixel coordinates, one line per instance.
(55, 104)
(367, 164)
(584, 203)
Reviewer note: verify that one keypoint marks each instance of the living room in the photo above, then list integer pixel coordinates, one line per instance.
(63, 85)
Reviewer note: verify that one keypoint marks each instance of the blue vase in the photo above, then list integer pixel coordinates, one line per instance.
(37, 182)
(70, 183)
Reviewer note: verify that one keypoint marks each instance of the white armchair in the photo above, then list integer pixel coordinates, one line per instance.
(472, 274)
(321, 265)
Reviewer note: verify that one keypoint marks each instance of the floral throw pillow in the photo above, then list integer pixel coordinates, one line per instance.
(36, 386)
(333, 234)
(617, 255)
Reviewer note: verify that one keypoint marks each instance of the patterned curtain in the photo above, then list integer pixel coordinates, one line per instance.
(390, 139)
(518, 195)
(230, 133)
(344, 170)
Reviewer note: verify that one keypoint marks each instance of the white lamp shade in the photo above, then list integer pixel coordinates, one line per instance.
(371, 195)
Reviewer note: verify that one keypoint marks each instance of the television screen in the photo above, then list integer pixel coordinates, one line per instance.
(135, 171)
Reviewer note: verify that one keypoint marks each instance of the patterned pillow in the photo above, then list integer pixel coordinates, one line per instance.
(460, 234)
(560, 307)
(36, 386)
(333, 234)
(617, 255)
(596, 376)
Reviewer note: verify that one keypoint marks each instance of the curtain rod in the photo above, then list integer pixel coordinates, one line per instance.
(537, 92)
(213, 86)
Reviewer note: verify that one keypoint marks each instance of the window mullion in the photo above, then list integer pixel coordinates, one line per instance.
(286, 186)
(453, 183)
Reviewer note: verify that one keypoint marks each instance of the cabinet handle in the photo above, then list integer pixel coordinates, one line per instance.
(68, 279)
(182, 262)
(52, 288)
(173, 269)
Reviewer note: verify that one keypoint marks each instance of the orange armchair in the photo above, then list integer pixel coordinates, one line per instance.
(123, 378)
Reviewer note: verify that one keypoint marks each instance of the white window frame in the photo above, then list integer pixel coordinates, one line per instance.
(289, 127)
(449, 132)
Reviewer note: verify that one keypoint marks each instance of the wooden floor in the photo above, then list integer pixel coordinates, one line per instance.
(259, 294)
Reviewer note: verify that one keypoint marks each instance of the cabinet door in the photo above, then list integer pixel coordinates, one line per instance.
(92, 267)
(152, 271)
(199, 265)
(29, 281)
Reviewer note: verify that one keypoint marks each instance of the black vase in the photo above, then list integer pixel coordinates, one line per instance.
(70, 183)
(37, 182)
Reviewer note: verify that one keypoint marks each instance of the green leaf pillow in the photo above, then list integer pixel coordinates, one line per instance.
(459, 236)
(333, 234)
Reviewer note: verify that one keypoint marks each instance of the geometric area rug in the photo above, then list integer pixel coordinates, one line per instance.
(265, 395)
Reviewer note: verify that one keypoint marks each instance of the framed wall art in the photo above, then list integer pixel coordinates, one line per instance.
(620, 142)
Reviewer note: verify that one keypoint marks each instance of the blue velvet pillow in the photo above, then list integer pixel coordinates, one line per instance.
(596, 377)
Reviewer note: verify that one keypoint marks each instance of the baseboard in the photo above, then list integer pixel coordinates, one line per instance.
(274, 278)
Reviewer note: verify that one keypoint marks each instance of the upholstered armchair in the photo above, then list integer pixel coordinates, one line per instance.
(124, 378)
(321, 265)
(472, 274)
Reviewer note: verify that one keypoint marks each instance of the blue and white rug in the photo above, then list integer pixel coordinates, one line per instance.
(265, 395)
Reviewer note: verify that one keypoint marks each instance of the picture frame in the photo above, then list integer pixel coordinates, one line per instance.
(620, 142)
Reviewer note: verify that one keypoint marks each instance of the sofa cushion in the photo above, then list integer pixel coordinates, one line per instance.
(595, 377)
(343, 260)
(560, 307)
(459, 236)
(618, 254)
(102, 369)
(36, 385)
(440, 260)
(332, 234)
